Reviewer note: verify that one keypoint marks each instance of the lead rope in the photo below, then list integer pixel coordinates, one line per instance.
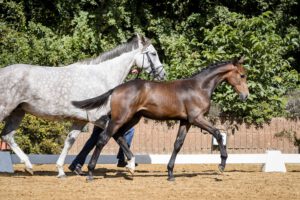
(152, 68)
(139, 72)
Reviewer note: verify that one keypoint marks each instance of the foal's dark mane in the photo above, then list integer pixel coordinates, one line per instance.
(211, 67)
(131, 44)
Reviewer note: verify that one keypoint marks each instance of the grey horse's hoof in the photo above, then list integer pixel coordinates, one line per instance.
(62, 176)
(29, 171)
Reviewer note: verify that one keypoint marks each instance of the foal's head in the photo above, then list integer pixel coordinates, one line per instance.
(238, 78)
(148, 59)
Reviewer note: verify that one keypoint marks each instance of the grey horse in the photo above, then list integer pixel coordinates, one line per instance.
(47, 91)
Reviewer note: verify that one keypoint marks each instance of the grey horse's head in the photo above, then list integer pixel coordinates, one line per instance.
(148, 59)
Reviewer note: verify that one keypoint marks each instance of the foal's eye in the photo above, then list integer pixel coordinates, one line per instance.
(243, 75)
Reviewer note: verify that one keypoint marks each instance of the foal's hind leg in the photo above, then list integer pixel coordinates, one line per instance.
(119, 138)
(102, 141)
(182, 131)
(202, 123)
(112, 128)
(69, 141)
(130, 157)
(12, 123)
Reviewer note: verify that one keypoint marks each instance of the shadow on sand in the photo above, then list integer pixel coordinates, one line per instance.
(103, 173)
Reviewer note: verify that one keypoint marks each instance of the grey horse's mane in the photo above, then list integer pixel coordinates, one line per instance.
(131, 44)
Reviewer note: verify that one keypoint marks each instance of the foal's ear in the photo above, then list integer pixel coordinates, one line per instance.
(239, 60)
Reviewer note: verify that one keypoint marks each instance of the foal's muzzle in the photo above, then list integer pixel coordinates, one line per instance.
(243, 96)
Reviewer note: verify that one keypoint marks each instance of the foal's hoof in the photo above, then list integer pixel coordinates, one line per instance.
(221, 168)
(89, 178)
(171, 179)
(131, 171)
(29, 170)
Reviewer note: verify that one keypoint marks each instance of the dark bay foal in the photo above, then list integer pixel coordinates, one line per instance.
(186, 100)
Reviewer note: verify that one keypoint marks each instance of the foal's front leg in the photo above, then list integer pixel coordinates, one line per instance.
(182, 131)
(204, 124)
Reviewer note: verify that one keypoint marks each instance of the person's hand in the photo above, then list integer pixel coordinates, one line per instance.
(134, 71)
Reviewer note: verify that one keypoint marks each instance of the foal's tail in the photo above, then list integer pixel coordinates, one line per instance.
(95, 102)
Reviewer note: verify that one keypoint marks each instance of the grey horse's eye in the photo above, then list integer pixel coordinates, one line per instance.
(154, 53)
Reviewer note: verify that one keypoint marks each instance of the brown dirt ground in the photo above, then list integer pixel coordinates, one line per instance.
(149, 182)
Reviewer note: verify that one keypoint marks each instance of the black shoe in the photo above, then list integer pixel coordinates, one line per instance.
(71, 168)
(77, 170)
(122, 163)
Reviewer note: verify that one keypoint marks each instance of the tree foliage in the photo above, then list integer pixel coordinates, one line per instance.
(188, 35)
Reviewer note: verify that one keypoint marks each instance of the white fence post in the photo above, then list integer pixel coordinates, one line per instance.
(6, 162)
(274, 162)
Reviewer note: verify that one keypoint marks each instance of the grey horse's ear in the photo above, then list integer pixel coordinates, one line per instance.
(138, 36)
(144, 40)
(140, 42)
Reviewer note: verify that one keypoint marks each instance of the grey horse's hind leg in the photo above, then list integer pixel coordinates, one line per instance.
(12, 122)
(69, 141)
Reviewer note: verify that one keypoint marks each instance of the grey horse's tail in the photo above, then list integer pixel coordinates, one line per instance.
(95, 102)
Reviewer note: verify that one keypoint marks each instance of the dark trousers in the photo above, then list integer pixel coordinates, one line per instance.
(91, 143)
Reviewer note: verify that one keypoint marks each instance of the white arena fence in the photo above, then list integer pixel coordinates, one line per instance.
(273, 161)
